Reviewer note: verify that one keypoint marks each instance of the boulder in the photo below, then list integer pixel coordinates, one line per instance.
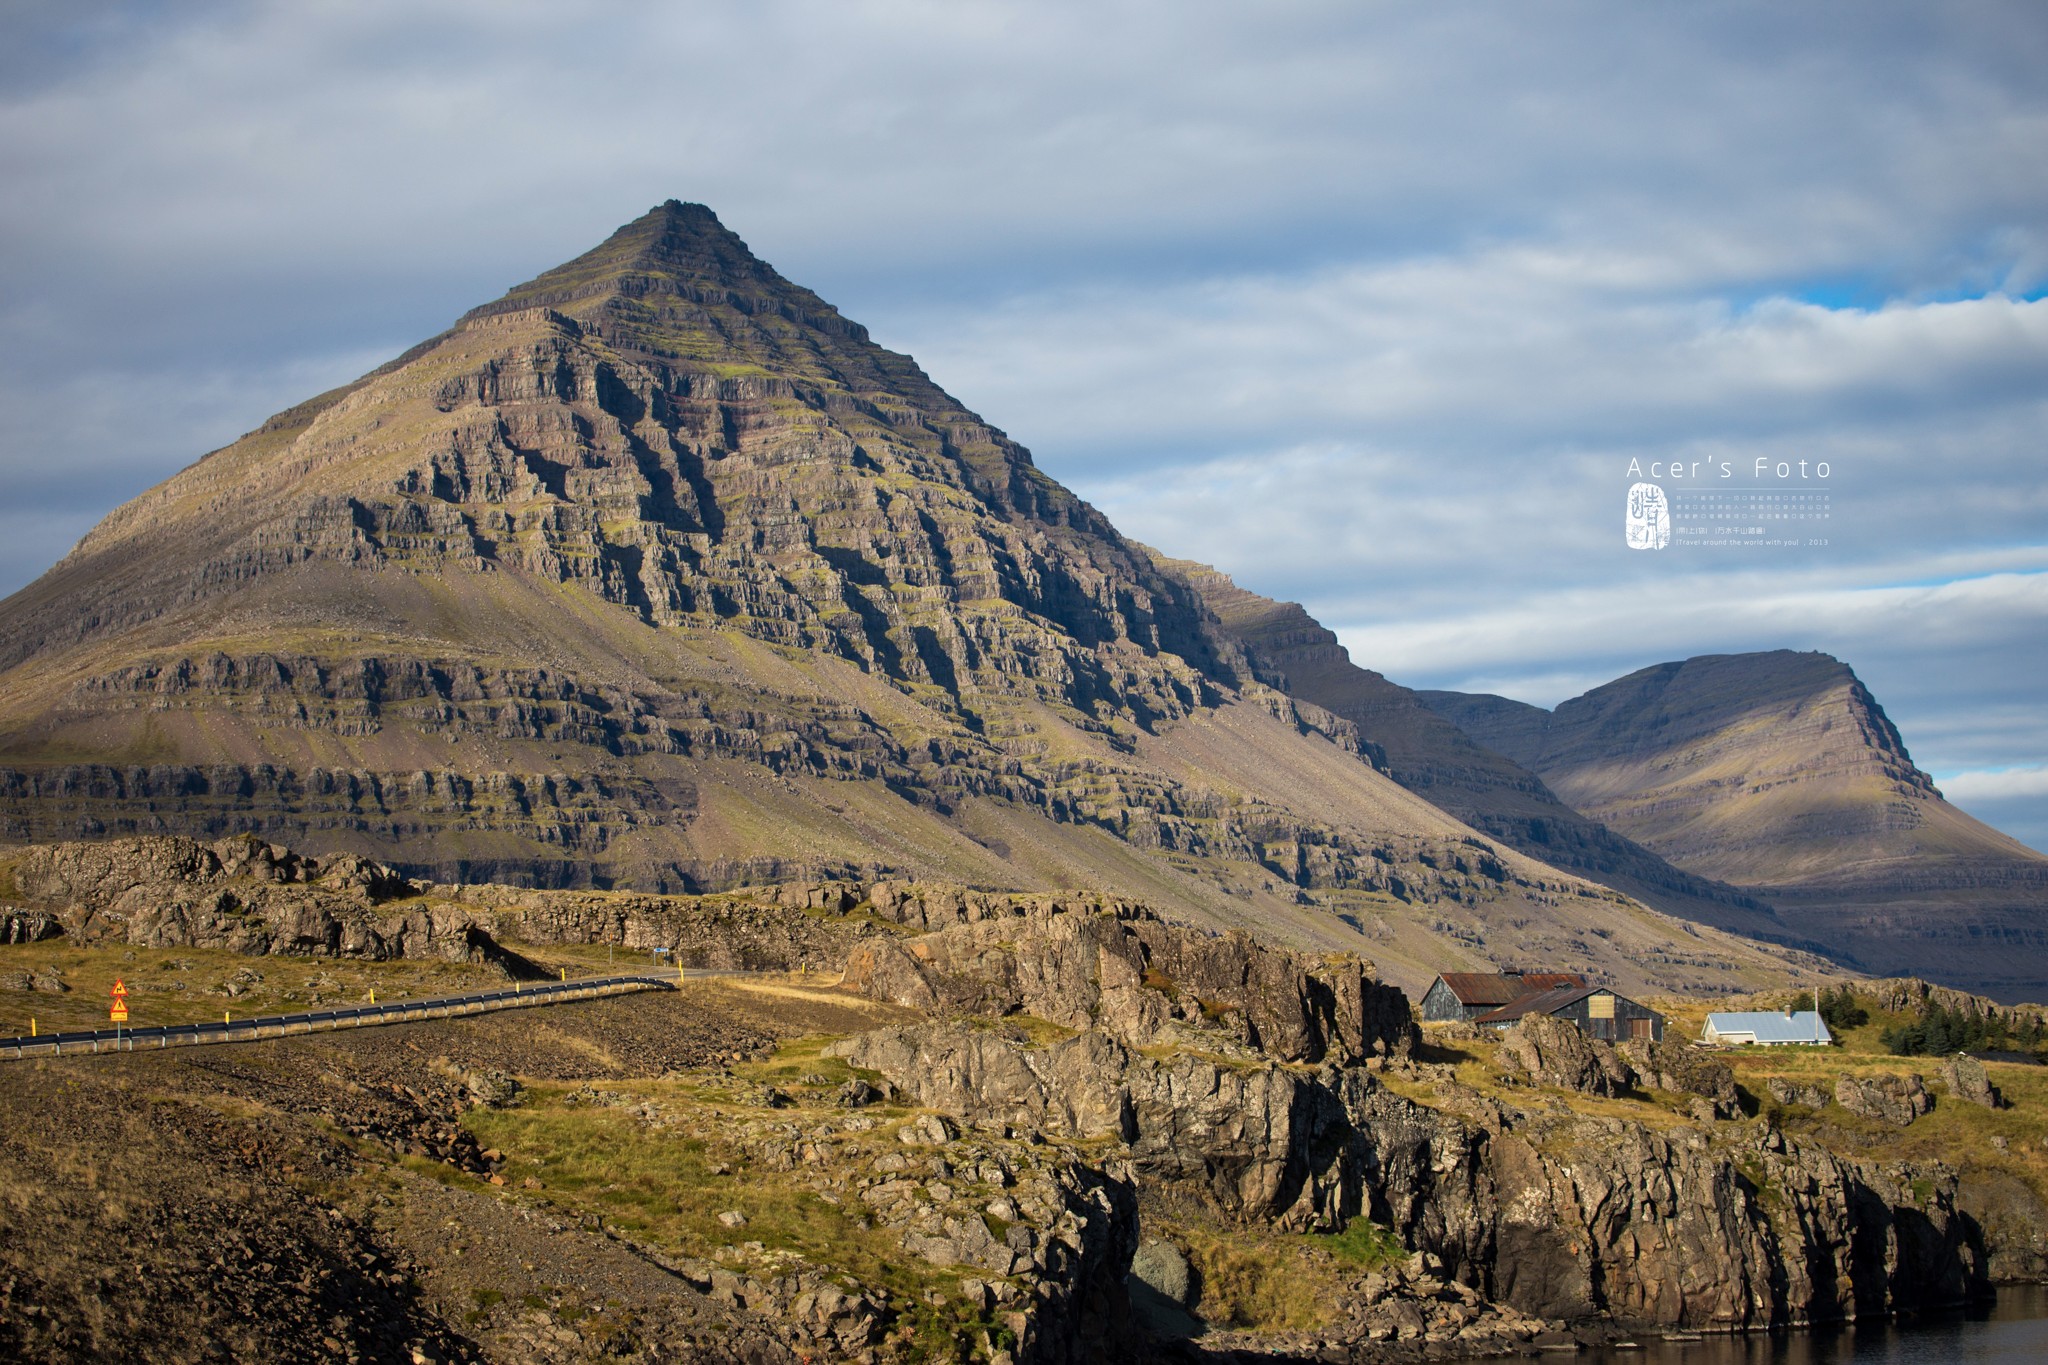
(1160, 1266)
(1558, 1052)
(1896, 1100)
(1675, 1065)
(1162, 1289)
(1967, 1080)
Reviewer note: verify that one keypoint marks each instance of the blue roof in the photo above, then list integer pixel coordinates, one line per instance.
(1773, 1026)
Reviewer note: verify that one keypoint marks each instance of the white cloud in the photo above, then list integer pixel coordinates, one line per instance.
(1683, 617)
(1995, 784)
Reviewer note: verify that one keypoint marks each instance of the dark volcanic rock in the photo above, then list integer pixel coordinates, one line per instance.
(1560, 1216)
(1089, 962)
(1558, 1052)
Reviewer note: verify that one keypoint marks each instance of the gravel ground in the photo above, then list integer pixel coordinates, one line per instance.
(291, 1200)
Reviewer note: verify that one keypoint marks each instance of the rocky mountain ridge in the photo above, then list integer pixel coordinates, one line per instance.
(1432, 757)
(658, 573)
(1781, 772)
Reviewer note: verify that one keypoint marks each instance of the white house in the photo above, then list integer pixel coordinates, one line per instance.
(1766, 1028)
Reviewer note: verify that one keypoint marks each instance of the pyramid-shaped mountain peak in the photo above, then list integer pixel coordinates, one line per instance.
(668, 425)
(673, 248)
(659, 572)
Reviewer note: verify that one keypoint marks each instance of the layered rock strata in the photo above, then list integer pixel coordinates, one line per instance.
(1478, 783)
(1555, 1216)
(657, 573)
(1780, 772)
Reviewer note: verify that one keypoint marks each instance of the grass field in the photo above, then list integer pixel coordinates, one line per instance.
(662, 1159)
(193, 985)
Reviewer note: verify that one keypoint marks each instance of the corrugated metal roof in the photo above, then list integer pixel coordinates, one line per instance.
(1542, 1002)
(1550, 981)
(1481, 988)
(1771, 1026)
(1494, 988)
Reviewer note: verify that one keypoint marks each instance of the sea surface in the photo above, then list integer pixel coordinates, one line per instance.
(2010, 1330)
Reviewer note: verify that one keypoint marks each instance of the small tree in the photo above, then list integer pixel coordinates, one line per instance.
(1841, 1009)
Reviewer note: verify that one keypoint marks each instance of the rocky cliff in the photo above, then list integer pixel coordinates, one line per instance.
(1554, 1214)
(1018, 1092)
(1780, 772)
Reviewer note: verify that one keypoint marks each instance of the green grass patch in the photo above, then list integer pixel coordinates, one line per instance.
(799, 1064)
(1365, 1244)
(668, 1184)
(189, 985)
(1027, 1029)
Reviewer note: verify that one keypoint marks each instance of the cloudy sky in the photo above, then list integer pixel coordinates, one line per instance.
(1370, 305)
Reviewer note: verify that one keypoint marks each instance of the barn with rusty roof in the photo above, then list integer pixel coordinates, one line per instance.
(1601, 1012)
(1460, 997)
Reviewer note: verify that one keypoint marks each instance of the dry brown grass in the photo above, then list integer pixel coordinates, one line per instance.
(186, 985)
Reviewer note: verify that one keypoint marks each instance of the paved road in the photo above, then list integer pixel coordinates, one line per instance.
(348, 1016)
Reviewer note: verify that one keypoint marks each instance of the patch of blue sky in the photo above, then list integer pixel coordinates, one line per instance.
(1869, 294)
(2025, 558)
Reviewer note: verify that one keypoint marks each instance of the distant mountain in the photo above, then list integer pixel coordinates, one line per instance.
(1780, 773)
(657, 572)
(1432, 757)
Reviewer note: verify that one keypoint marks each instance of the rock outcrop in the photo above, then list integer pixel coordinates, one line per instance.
(1790, 1092)
(1896, 1100)
(1039, 1231)
(1557, 1052)
(244, 896)
(1555, 1215)
(1113, 966)
(1676, 1065)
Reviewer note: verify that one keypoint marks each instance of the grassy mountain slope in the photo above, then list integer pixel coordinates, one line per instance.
(1432, 757)
(1781, 773)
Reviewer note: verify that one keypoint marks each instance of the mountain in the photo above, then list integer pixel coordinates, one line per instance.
(658, 573)
(1439, 762)
(1779, 772)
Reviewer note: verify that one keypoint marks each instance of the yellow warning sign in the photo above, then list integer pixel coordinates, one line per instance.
(119, 1013)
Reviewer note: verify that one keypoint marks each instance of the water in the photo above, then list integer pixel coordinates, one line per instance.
(2011, 1331)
